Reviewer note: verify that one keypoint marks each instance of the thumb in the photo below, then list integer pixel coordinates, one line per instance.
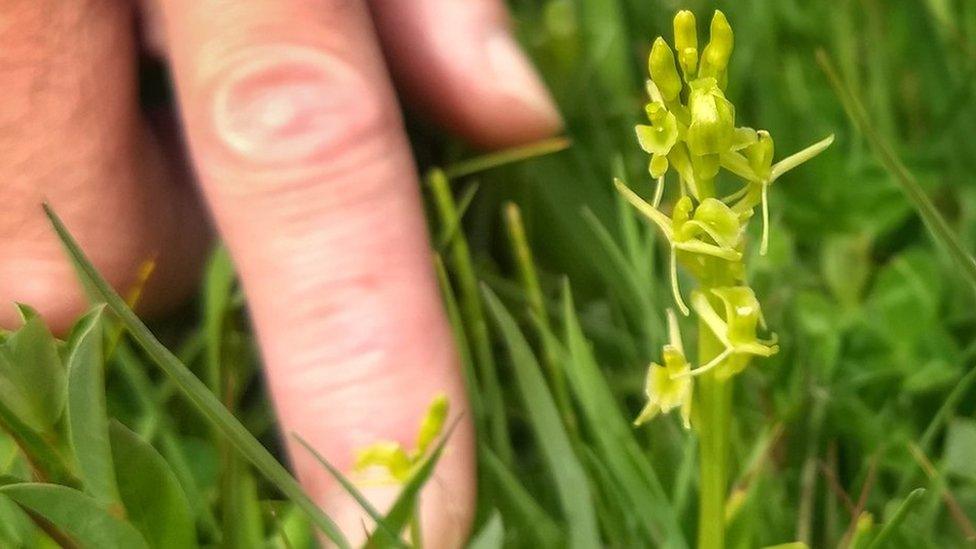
(297, 140)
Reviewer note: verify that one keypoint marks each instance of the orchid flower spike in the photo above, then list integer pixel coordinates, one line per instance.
(693, 127)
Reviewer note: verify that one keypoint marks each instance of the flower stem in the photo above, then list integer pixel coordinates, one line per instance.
(713, 414)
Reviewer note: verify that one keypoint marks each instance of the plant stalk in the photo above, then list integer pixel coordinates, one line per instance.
(713, 413)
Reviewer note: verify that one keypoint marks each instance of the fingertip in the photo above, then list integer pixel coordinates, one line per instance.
(459, 62)
(523, 109)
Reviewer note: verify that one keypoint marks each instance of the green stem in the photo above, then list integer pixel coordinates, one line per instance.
(713, 415)
(416, 534)
(469, 296)
(537, 305)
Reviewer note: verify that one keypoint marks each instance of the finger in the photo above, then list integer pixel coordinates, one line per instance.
(459, 61)
(298, 143)
(71, 133)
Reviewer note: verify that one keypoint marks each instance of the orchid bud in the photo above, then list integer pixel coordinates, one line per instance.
(715, 58)
(663, 70)
(433, 423)
(658, 166)
(686, 41)
(681, 212)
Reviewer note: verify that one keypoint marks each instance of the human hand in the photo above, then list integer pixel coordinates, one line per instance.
(295, 137)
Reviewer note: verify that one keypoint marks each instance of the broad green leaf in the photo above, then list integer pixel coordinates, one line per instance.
(36, 374)
(77, 516)
(195, 391)
(46, 460)
(293, 530)
(14, 524)
(87, 416)
(139, 386)
(152, 495)
(571, 481)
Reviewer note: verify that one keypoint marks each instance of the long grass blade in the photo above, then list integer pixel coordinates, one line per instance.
(507, 156)
(894, 523)
(568, 474)
(350, 488)
(934, 220)
(194, 390)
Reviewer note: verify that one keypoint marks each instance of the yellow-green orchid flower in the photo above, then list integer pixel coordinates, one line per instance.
(736, 329)
(392, 459)
(658, 138)
(757, 168)
(669, 386)
(712, 229)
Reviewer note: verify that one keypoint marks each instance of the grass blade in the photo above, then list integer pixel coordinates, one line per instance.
(896, 519)
(936, 224)
(529, 278)
(350, 488)
(402, 511)
(517, 504)
(614, 435)
(461, 341)
(195, 391)
(472, 313)
(507, 156)
(572, 484)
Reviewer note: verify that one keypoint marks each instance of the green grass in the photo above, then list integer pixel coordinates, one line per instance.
(556, 291)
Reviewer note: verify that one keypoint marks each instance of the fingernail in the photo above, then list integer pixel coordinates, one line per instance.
(515, 74)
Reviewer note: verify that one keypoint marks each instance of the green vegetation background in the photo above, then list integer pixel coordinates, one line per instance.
(870, 397)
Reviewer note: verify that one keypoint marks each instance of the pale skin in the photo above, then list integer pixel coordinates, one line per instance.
(289, 140)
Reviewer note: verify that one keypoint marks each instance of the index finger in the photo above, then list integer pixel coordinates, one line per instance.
(297, 139)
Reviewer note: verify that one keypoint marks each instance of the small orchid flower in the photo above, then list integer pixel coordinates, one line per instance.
(659, 138)
(711, 229)
(757, 168)
(395, 462)
(669, 386)
(736, 330)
